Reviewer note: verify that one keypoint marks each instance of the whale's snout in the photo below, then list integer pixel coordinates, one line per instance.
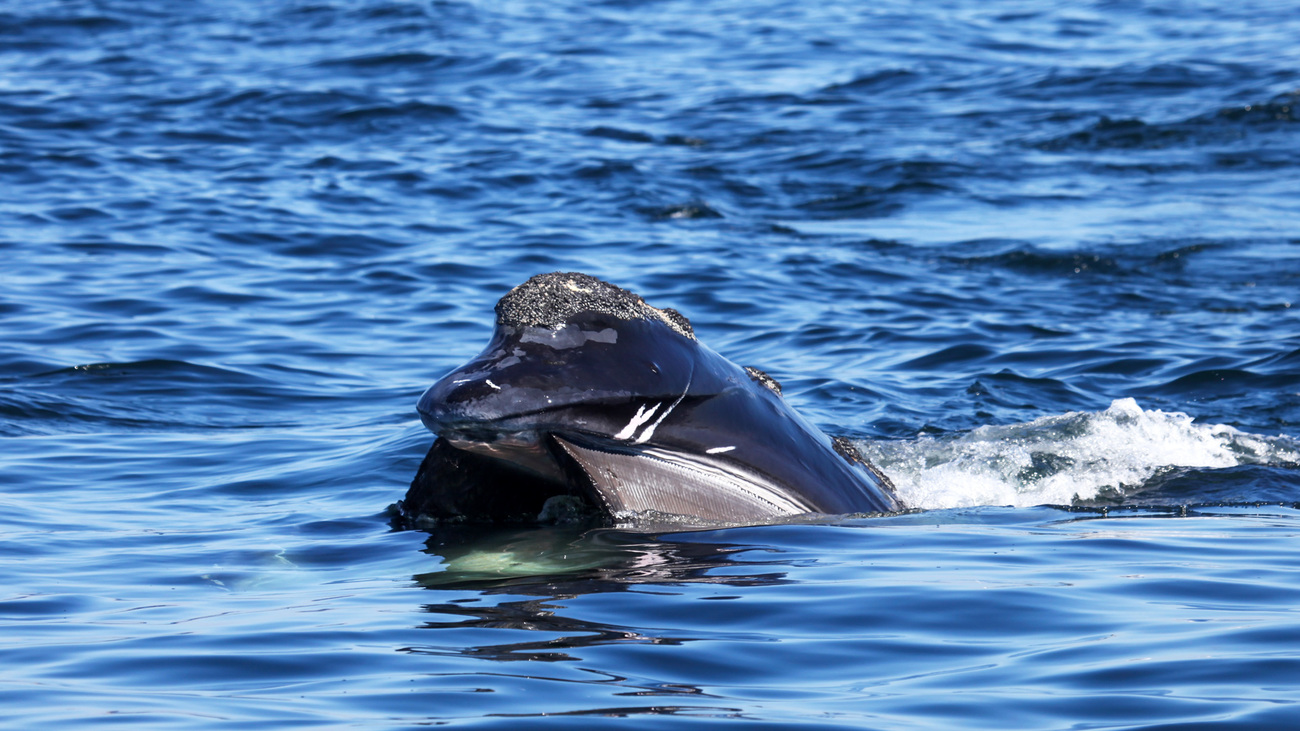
(461, 398)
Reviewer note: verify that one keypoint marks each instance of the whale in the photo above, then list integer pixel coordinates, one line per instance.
(587, 401)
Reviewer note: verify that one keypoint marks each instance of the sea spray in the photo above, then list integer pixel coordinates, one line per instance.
(1065, 459)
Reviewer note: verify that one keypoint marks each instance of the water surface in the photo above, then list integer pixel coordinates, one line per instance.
(1039, 260)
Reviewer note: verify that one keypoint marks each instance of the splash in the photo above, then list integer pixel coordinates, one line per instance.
(1068, 458)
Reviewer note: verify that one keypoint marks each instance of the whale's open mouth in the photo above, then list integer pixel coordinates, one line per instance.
(526, 451)
(509, 477)
(620, 480)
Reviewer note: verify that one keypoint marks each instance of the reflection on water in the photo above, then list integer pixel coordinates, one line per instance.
(559, 564)
(551, 566)
(575, 561)
(866, 619)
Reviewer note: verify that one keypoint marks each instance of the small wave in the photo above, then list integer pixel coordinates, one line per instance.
(17, 25)
(1036, 261)
(622, 135)
(1223, 125)
(156, 394)
(406, 111)
(860, 201)
(1281, 108)
(883, 80)
(681, 211)
(388, 62)
(78, 213)
(1129, 79)
(1071, 458)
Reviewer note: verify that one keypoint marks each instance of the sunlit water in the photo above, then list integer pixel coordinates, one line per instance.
(1041, 263)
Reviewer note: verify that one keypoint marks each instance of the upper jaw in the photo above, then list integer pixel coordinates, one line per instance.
(527, 450)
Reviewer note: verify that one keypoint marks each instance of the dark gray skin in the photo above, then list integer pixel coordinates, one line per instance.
(586, 391)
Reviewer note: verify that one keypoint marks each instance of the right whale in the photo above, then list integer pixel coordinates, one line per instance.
(588, 392)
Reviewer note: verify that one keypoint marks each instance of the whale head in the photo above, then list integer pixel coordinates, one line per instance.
(585, 390)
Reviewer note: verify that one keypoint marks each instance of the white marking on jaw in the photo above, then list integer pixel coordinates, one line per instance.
(641, 417)
(489, 382)
(650, 430)
(463, 380)
(718, 450)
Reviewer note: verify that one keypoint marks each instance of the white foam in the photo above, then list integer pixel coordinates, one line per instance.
(1056, 459)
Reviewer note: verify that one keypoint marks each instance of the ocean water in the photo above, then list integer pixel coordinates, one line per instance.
(1041, 261)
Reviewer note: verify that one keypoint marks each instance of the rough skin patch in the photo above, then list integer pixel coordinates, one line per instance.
(844, 446)
(763, 379)
(550, 300)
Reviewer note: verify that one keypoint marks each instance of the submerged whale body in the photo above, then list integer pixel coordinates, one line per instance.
(587, 398)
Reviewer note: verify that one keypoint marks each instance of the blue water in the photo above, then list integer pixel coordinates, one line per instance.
(1040, 261)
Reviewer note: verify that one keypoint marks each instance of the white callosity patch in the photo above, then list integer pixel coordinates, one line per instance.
(718, 450)
(1055, 459)
(642, 415)
(516, 357)
(568, 336)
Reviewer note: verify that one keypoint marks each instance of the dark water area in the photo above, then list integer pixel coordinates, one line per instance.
(1040, 261)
